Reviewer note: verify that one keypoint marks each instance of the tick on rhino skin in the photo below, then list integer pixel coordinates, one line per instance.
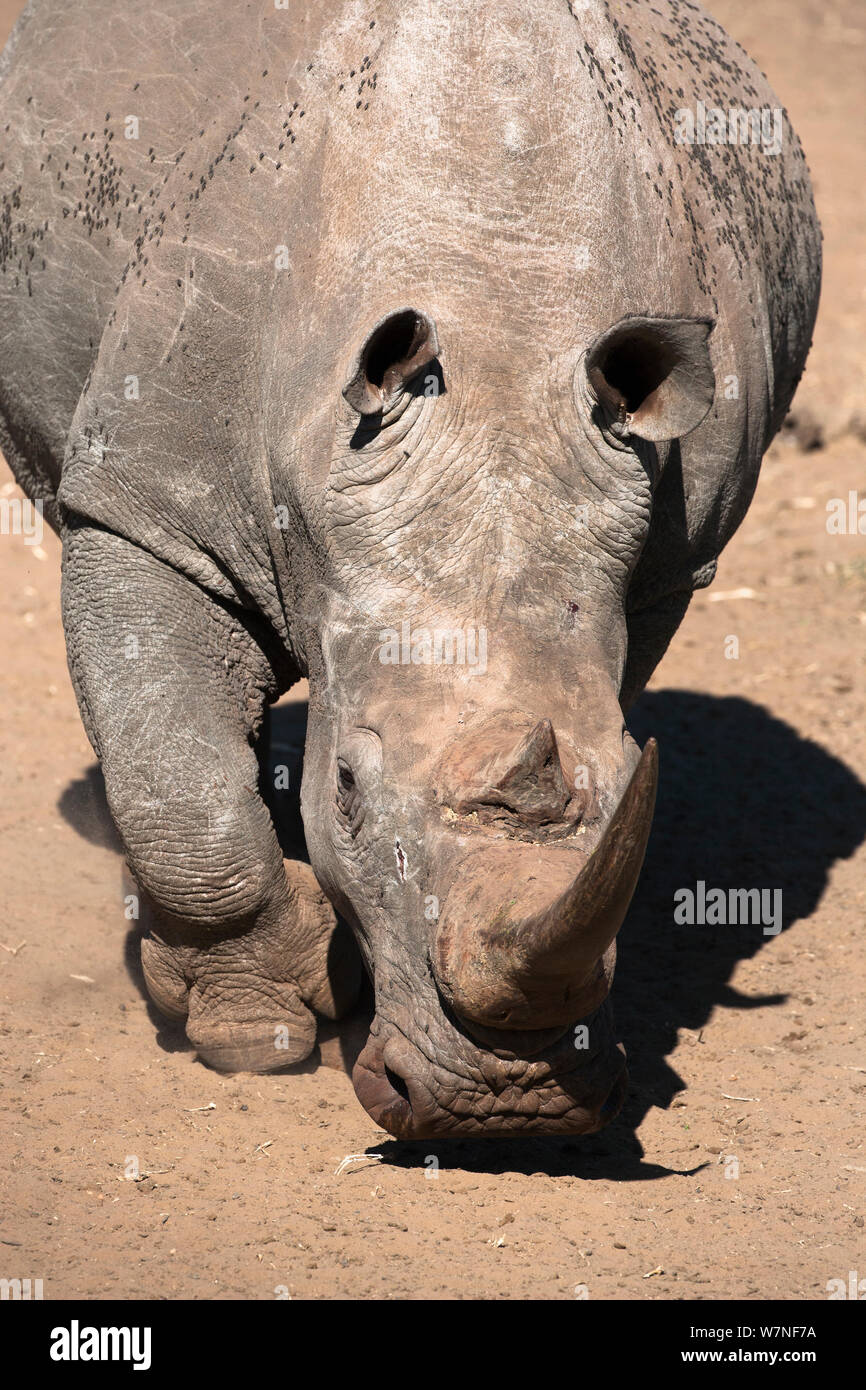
(493, 223)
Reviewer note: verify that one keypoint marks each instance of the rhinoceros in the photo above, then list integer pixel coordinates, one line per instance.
(427, 352)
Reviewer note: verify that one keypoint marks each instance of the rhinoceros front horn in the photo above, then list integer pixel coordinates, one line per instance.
(522, 943)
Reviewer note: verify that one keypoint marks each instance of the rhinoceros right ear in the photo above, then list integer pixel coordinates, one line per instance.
(399, 346)
(653, 376)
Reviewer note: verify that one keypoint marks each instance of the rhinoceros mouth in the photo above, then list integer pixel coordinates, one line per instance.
(413, 1093)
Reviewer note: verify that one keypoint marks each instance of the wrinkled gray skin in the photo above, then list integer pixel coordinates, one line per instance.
(508, 171)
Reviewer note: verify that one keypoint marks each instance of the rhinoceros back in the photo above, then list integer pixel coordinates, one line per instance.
(100, 104)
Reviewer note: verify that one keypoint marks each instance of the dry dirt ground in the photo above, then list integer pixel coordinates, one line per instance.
(746, 1051)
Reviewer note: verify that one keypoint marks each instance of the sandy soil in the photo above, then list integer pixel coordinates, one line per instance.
(746, 1051)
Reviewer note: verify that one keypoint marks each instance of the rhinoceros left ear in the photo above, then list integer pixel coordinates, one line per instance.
(395, 352)
(653, 376)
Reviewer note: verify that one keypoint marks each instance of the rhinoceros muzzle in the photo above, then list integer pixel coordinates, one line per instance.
(439, 1083)
(513, 1031)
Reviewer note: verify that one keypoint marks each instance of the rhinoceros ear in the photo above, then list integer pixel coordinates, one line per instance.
(395, 351)
(653, 376)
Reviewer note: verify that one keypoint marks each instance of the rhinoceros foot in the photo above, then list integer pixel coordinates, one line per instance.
(248, 998)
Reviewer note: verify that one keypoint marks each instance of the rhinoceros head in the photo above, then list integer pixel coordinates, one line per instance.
(475, 807)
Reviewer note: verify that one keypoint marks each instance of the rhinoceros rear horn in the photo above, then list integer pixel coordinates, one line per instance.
(653, 376)
(399, 346)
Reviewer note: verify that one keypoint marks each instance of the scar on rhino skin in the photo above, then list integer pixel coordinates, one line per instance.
(402, 861)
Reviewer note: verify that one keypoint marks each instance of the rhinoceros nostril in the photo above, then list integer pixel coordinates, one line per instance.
(382, 1091)
(397, 1084)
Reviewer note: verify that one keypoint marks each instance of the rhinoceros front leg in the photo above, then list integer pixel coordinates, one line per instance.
(171, 686)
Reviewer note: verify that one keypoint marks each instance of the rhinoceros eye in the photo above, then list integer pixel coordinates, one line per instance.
(349, 803)
(358, 779)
